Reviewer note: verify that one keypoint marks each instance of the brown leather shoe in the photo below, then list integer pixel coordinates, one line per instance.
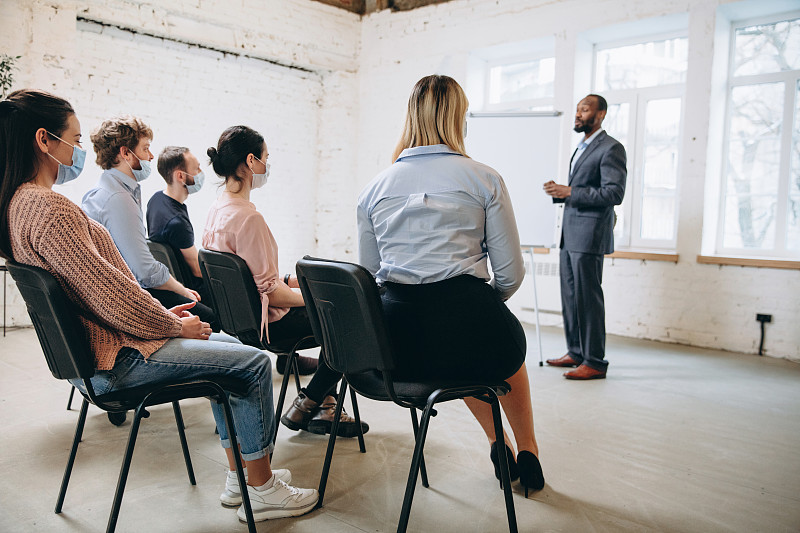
(299, 414)
(322, 422)
(564, 360)
(585, 372)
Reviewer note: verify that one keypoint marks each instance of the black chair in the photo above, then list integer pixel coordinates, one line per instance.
(164, 253)
(346, 314)
(68, 355)
(239, 310)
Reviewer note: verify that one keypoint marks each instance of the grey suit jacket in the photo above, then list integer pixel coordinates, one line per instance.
(598, 184)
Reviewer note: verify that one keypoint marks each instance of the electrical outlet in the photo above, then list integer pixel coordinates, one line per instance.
(763, 318)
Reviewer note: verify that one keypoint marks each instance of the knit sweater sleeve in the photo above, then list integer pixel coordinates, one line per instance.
(96, 273)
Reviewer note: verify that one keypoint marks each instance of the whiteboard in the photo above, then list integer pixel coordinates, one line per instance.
(523, 148)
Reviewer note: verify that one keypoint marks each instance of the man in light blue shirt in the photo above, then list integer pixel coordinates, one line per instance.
(122, 146)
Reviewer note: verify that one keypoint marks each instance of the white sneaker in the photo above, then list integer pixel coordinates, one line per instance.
(279, 501)
(232, 496)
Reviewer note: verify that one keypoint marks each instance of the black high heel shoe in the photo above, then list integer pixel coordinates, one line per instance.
(530, 471)
(513, 471)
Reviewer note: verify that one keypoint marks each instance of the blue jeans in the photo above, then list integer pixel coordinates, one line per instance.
(186, 359)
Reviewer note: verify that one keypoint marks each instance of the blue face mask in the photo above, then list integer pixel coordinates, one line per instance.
(144, 173)
(199, 178)
(69, 173)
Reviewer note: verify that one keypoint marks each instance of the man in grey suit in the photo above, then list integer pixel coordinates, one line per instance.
(596, 184)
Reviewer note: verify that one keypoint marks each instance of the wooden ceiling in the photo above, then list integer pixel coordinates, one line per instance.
(365, 7)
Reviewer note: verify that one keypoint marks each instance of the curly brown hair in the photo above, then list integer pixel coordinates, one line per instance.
(113, 134)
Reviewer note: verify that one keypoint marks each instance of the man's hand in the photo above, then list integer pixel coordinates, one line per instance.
(557, 191)
(192, 295)
(194, 328)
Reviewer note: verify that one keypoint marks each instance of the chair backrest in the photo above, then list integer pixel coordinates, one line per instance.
(235, 294)
(55, 319)
(163, 253)
(346, 315)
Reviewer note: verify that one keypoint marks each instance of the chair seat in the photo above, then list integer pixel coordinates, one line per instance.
(371, 385)
(127, 399)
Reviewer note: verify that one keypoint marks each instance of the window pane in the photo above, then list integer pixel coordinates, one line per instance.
(794, 176)
(661, 145)
(767, 48)
(749, 221)
(522, 81)
(754, 143)
(616, 123)
(658, 217)
(793, 226)
(641, 65)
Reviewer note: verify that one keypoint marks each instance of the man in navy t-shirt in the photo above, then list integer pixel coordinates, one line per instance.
(168, 218)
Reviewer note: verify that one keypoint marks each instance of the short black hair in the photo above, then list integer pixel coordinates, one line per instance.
(170, 159)
(602, 105)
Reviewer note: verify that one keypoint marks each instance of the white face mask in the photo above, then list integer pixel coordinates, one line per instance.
(144, 173)
(199, 178)
(259, 180)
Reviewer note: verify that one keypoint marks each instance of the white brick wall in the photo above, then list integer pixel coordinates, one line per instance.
(328, 90)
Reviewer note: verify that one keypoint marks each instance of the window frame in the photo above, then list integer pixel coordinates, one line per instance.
(637, 99)
(790, 79)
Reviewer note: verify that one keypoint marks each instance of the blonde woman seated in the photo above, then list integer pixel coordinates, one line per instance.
(135, 340)
(428, 226)
(235, 226)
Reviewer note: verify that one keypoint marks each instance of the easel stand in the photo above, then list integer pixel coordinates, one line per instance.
(529, 249)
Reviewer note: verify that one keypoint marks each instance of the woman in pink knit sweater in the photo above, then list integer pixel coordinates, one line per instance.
(135, 340)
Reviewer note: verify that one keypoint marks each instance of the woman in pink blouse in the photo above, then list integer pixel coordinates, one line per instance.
(235, 226)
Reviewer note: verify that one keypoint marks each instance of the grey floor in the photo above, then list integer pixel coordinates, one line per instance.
(676, 439)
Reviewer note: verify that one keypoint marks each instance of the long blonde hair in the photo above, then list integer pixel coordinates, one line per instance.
(436, 111)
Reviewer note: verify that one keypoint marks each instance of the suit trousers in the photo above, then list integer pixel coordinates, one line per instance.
(583, 307)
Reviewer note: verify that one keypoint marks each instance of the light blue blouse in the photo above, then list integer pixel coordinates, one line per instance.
(435, 214)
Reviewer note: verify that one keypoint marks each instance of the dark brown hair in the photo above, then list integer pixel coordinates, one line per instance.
(21, 115)
(170, 159)
(233, 147)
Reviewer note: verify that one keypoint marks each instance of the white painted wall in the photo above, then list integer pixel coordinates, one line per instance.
(328, 90)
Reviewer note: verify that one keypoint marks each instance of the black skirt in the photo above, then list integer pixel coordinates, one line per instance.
(458, 328)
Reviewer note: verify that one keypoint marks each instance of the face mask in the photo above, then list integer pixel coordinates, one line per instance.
(144, 173)
(465, 128)
(199, 178)
(69, 173)
(259, 180)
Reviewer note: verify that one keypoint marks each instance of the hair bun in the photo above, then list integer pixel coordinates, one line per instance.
(212, 154)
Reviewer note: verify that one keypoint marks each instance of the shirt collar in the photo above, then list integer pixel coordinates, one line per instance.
(590, 139)
(123, 179)
(426, 150)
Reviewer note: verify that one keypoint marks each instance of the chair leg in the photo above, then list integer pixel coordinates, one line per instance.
(326, 467)
(69, 401)
(182, 435)
(504, 475)
(71, 461)
(228, 415)
(415, 467)
(357, 416)
(295, 370)
(291, 367)
(140, 413)
(422, 470)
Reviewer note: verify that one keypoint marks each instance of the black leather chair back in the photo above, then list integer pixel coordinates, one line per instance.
(346, 315)
(55, 319)
(163, 253)
(238, 305)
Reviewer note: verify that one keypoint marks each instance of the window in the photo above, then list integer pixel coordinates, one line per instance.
(643, 83)
(524, 85)
(760, 200)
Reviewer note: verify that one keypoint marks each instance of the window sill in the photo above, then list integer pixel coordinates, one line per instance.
(645, 256)
(748, 262)
(623, 254)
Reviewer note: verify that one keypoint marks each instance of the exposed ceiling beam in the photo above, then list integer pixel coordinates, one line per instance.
(365, 7)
